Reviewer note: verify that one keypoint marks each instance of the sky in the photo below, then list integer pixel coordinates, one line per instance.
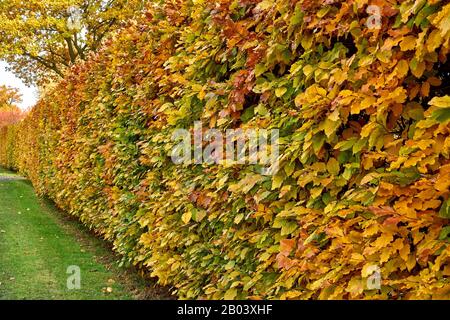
(29, 94)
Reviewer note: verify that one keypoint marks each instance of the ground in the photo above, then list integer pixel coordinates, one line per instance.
(38, 243)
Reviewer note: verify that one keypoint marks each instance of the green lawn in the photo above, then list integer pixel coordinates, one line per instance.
(38, 244)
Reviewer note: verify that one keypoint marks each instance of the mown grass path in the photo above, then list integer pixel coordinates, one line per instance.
(37, 245)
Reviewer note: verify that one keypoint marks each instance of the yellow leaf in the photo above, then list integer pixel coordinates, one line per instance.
(200, 215)
(403, 207)
(434, 40)
(424, 144)
(277, 181)
(355, 286)
(307, 41)
(284, 190)
(230, 294)
(355, 108)
(402, 68)
(334, 116)
(238, 218)
(383, 240)
(308, 70)
(369, 177)
(384, 56)
(368, 102)
(411, 262)
(202, 93)
(385, 255)
(330, 126)
(404, 252)
(368, 128)
(333, 166)
(418, 70)
(186, 217)
(315, 192)
(266, 4)
(279, 92)
(431, 204)
(368, 269)
(291, 294)
(408, 43)
(365, 61)
(440, 102)
(345, 93)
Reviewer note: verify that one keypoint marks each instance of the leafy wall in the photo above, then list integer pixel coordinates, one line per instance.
(365, 172)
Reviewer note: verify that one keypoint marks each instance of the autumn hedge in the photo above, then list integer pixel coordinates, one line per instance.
(363, 114)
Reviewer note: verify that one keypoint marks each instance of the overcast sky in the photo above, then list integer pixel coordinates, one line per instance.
(29, 95)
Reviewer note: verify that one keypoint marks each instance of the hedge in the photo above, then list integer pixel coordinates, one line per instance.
(363, 111)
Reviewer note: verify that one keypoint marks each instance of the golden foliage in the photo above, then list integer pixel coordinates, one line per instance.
(365, 172)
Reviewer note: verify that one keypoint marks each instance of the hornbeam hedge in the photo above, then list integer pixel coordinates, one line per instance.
(360, 94)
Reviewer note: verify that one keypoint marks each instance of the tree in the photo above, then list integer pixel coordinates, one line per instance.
(42, 38)
(9, 112)
(9, 97)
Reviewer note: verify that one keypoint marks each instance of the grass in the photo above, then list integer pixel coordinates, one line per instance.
(38, 244)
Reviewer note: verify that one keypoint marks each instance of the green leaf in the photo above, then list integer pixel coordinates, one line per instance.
(260, 69)
(414, 110)
(425, 12)
(445, 210)
(323, 12)
(318, 141)
(346, 144)
(348, 172)
(261, 109)
(307, 41)
(248, 114)
(376, 138)
(441, 115)
(330, 126)
(287, 227)
(359, 145)
(297, 17)
(445, 232)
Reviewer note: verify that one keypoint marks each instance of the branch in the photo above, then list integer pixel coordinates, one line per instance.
(48, 64)
(79, 49)
(62, 58)
(72, 53)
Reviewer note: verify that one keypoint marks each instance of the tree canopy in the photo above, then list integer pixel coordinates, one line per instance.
(9, 112)
(40, 39)
(9, 97)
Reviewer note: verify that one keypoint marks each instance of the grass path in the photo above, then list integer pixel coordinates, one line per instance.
(38, 244)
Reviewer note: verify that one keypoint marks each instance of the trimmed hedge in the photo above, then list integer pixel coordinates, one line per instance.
(364, 135)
